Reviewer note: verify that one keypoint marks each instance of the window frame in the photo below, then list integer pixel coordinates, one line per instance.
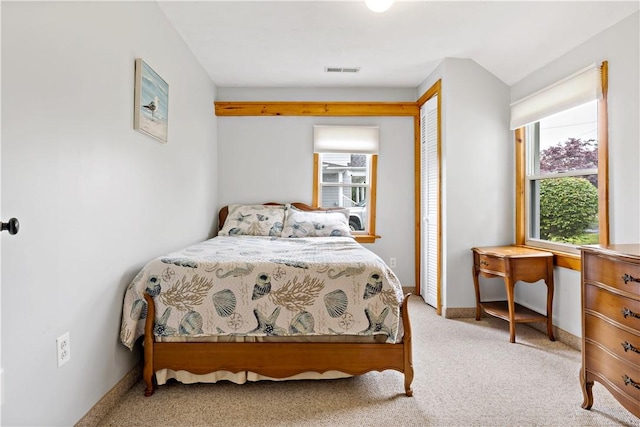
(564, 258)
(362, 237)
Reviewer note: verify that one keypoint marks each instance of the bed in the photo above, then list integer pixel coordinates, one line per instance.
(282, 292)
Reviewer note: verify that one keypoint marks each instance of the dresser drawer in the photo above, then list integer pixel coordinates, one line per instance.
(491, 263)
(621, 343)
(611, 322)
(612, 272)
(625, 311)
(617, 372)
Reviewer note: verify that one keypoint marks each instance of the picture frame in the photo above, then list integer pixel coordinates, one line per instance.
(151, 102)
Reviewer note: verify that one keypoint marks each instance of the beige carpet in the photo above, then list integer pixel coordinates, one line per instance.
(467, 374)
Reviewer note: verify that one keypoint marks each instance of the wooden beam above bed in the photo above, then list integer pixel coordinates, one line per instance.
(279, 108)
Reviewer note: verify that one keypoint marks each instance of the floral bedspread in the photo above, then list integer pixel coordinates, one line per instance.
(266, 286)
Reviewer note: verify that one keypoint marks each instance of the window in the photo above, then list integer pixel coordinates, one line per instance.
(345, 161)
(562, 178)
(561, 165)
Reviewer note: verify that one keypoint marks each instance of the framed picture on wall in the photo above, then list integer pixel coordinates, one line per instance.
(151, 102)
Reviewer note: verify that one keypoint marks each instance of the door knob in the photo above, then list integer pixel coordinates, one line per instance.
(13, 226)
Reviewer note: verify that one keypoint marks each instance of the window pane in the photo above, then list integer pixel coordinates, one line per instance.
(359, 175)
(564, 210)
(339, 172)
(568, 140)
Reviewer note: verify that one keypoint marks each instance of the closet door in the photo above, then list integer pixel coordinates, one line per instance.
(429, 185)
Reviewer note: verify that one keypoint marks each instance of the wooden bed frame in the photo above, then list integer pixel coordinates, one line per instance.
(276, 360)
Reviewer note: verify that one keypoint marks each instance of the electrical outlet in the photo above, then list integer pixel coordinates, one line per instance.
(63, 346)
(392, 262)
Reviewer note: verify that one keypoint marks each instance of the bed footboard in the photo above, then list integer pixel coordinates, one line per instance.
(407, 349)
(259, 357)
(147, 369)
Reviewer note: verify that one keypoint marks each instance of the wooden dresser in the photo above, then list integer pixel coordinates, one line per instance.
(611, 323)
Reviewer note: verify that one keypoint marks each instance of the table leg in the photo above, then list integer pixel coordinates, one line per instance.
(550, 290)
(475, 272)
(509, 284)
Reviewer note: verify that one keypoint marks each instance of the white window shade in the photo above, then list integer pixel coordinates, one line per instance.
(577, 89)
(345, 139)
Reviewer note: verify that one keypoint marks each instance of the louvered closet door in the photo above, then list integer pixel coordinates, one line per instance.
(429, 201)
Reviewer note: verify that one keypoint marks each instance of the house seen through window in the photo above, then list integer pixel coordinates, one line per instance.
(345, 159)
(345, 183)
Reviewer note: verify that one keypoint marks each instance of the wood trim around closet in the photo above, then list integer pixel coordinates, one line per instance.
(434, 90)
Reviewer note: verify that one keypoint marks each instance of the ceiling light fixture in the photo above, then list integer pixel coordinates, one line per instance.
(378, 5)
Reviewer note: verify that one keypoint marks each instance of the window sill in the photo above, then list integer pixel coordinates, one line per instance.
(366, 238)
(562, 259)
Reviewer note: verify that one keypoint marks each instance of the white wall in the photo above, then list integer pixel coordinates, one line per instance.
(96, 199)
(477, 174)
(620, 45)
(265, 159)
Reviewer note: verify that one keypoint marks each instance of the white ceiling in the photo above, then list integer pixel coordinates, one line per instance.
(289, 43)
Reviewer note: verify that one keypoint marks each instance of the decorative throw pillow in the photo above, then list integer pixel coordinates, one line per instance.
(299, 223)
(253, 220)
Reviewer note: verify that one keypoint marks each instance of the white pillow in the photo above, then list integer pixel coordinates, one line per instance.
(343, 211)
(253, 220)
(299, 223)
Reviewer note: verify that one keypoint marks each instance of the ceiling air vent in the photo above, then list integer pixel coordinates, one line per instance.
(342, 69)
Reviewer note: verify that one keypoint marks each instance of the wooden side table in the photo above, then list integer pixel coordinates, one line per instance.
(514, 263)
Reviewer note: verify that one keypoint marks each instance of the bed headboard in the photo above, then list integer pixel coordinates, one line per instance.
(222, 215)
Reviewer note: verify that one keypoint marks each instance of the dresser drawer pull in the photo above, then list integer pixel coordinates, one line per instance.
(486, 264)
(628, 278)
(628, 347)
(626, 312)
(629, 381)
